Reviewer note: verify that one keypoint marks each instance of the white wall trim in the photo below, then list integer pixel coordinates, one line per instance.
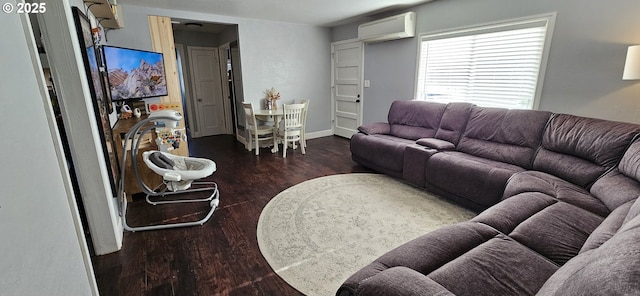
(345, 41)
(185, 82)
(319, 134)
(226, 92)
(63, 50)
(62, 161)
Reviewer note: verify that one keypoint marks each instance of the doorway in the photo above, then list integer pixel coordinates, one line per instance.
(230, 63)
(235, 84)
(347, 100)
(206, 86)
(48, 73)
(208, 91)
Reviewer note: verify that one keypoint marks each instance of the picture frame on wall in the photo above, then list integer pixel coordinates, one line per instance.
(101, 103)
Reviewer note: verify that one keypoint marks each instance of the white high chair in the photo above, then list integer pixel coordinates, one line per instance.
(178, 173)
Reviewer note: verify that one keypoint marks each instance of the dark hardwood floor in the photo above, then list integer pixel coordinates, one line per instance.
(221, 257)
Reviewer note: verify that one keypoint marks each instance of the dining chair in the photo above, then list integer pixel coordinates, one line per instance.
(254, 131)
(303, 136)
(291, 127)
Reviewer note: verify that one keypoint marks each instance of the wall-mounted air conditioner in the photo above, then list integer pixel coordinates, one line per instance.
(390, 28)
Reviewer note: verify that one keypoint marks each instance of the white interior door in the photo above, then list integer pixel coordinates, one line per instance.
(207, 91)
(347, 87)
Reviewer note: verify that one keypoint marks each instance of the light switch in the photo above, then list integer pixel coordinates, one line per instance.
(367, 83)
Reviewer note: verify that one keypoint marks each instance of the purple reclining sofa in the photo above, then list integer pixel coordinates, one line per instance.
(557, 196)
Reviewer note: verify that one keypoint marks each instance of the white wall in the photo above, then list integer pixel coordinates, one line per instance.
(228, 35)
(42, 248)
(584, 72)
(293, 58)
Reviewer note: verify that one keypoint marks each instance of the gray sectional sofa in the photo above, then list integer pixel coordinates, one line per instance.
(558, 196)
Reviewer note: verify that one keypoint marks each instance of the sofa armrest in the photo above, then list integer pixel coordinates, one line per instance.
(375, 128)
(414, 163)
(438, 144)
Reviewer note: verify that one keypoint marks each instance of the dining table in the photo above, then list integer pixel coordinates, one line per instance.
(268, 114)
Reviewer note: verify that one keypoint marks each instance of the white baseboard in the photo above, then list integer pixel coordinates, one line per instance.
(319, 134)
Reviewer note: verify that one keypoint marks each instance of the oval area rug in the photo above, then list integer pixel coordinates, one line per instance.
(317, 233)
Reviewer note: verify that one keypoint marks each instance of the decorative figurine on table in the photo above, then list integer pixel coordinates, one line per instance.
(271, 98)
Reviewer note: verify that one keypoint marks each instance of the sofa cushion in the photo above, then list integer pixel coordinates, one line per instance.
(552, 228)
(615, 189)
(630, 163)
(453, 122)
(611, 269)
(508, 214)
(465, 259)
(534, 181)
(500, 266)
(510, 136)
(381, 152)
(415, 119)
(473, 178)
(399, 280)
(634, 212)
(580, 149)
(433, 249)
(607, 228)
(612, 224)
(620, 185)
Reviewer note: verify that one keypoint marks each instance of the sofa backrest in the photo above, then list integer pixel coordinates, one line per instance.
(415, 119)
(580, 149)
(510, 136)
(621, 184)
(453, 122)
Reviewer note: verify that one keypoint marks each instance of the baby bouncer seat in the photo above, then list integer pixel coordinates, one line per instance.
(179, 174)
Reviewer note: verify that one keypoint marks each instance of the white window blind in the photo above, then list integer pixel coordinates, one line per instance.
(491, 66)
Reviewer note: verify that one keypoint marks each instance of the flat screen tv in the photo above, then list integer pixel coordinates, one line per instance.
(134, 74)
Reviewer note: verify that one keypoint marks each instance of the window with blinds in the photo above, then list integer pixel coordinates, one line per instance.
(491, 66)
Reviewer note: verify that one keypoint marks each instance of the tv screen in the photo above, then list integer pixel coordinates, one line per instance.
(134, 74)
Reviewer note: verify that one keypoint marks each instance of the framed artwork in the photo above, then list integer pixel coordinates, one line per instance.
(92, 59)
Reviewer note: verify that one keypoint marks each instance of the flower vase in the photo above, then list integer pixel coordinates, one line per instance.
(275, 105)
(268, 104)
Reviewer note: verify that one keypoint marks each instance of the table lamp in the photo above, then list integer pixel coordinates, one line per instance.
(632, 64)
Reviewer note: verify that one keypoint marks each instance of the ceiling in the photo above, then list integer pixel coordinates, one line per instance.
(313, 12)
